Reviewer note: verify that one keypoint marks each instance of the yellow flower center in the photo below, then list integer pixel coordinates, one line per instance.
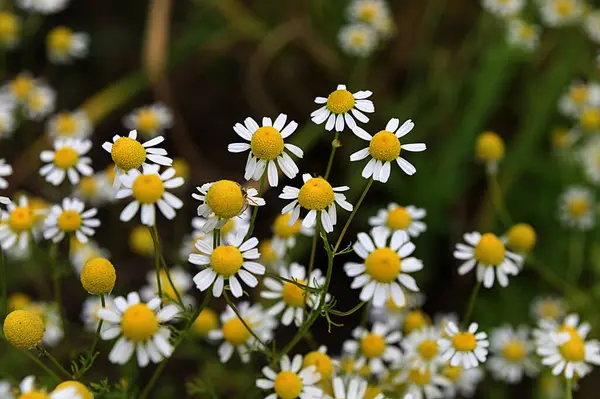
(34, 395)
(489, 147)
(526, 32)
(60, 39)
(578, 207)
(66, 157)
(80, 389)
(385, 146)
(549, 310)
(383, 265)
(574, 349)
(521, 237)
(452, 373)
(358, 38)
(69, 221)
(21, 219)
(579, 94)
(226, 260)
(267, 252)
(340, 101)
(428, 349)
(321, 361)
(148, 189)
(141, 242)
(23, 329)
(464, 342)
(563, 8)
(281, 227)
(419, 377)
(235, 332)
(128, 153)
(589, 118)
(206, 321)
(398, 218)
(146, 120)
(225, 198)
(367, 12)
(294, 295)
(139, 323)
(415, 320)
(88, 187)
(372, 345)
(490, 250)
(266, 143)
(66, 125)
(36, 101)
(9, 27)
(288, 385)
(514, 351)
(98, 276)
(316, 194)
(21, 86)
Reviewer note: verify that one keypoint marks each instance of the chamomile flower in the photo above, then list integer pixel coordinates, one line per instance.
(578, 96)
(82, 253)
(393, 314)
(150, 120)
(224, 200)
(140, 328)
(69, 125)
(422, 383)
(284, 234)
(293, 381)
(488, 253)
(181, 280)
(368, 11)
(43, 6)
(234, 226)
(5, 171)
(560, 12)
(227, 262)
(62, 45)
(89, 312)
(577, 208)
(523, 35)
(270, 256)
(384, 268)
(503, 8)
(206, 321)
(467, 348)
(40, 102)
(319, 198)
(464, 382)
(128, 154)
(71, 219)
(7, 121)
(10, 29)
(341, 107)
(384, 148)
(397, 217)
(17, 224)
(235, 335)
(414, 320)
(149, 189)
(421, 348)
(141, 242)
(67, 159)
(17, 90)
(358, 39)
(292, 298)
(352, 388)
(548, 307)
(489, 150)
(512, 354)
(27, 389)
(375, 347)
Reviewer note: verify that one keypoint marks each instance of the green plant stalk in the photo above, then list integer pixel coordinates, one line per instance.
(239, 316)
(98, 330)
(295, 282)
(47, 354)
(495, 193)
(471, 305)
(335, 143)
(568, 388)
(42, 365)
(159, 259)
(4, 309)
(255, 210)
(56, 282)
(313, 253)
(345, 229)
(576, 255)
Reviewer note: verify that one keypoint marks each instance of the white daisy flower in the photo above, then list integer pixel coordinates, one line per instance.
(150, 120)
(7, 121)
(181, 280)
(522, 35)
(397, 217)
(422, 383)
(236, 336)
(17, 90)
(292, 298)
(373, 348)
(81, 253)
(224, 200)
(267, 147)
(127, 153)
(227, 262)
(27, 389)
(6, 390)
(464, 348)
(577, 208)
(590, 159)
(293, 381)
(17, 224)
(149, 189)
(464, 382)
(384, 148)
(548, 307)
(341, 107)
(393, 314)
(421, 348)
(140, 328)
(368, 11)
(358, 39)
(5, 171)
(384, 270)
(489, 254)
(560, 12)
(71, 219)
(67, 159)
(43, 6)
(319, 198)
(69, 125)
(63, 45)
(512, 354)
(89, 312)
(284, 234)
(352, 388)
(578, 97)
(40, 102)
(503, 8)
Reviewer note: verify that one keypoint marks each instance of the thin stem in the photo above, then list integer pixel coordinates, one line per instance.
(295, 282)
(157, 266)
(471, 304)
(348, 312)
(4, 309)
(56, 282)
(569, 388)
(360, 200)
(98, 330)
(47, 354)
(41, 365)
(364, 317)
(216, 238)
(335, 143)
(255, 210)
(497, 200)
(576, 252)
(239, 316)
(313, 252)
(160, 260)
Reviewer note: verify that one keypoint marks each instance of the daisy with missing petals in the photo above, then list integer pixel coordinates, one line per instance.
(292, 297)
(577, 208)
(358, 40)
(373, 347)
(340, 107)
(384, 147)
(489, 254)
(224, 200)
(293, 381)
(266, 147)
(150, 120)
(421, 348)
(464, 348)
(69, 125)
(71, 219)
(127, 153)
(422, 383)
(141, 329)
(384, 268)
(548, 307)
(62, 45)
(319, 198)
(27, 389)
(512, 354)
(5, 171)
(402, 218)
(503, 8)
(181, 280)
(149, 189)
(353, 388)
(17, 223)
(67, 159)
(227, 262)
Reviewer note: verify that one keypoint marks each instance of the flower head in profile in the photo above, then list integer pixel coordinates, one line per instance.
(292, 381)
(27, 389)
(67, 160)
(10, 29)
(149, 120)
(71, 218)
(69, 125)
(46, 7)
(374, 348)
(577, 208)
(503, 8)
(267, 148)
(512, 354)
(341, 107)
(358, 39)
(523, 35)
(63, 45)
(396, 217)
(465, 348)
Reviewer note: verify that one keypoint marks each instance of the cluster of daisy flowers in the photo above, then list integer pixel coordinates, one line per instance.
(369, 23)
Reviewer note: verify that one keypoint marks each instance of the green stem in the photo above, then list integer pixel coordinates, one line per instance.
(255, 210)
(335, 143)
(497, 200)
(56, 282)
(471, 304)
(360, 200)
(4, 309)
(313, 252)
(98, 330)
(569, 389)
(348, 312)
(239, 316)
(42, 365)
(47, 354)
(160, 260)
(576, 252)
(295, 282)
(364, 317)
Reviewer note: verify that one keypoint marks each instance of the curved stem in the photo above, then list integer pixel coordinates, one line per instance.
(348, 312)
(56, 282)
(160, 260)
(42, 365)
(360, 200)
(255, 210)
(471, 304)
(47, 354)
(295, 282)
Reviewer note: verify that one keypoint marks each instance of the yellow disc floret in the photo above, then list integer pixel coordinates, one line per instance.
(464, 342)
(452, 373)
(578, 94)
(398, 218)
(282, 228)
(139, 323)
(340, 101)
(490, 250)
(98, 276)
(225, 198)
(293, 295)
(383, 265)
(206, 321)
(288, 385)
(385, 146)
(21, 87)
(514, 351)
(235, 332)
(23, 329)
(549, 309)
(66, 125)
(372, 345)
(69, 221)
(578, 206)
(60, 40)
(316, 194)
(266, 143)
(521, 237)
(321, 361)
(428, 349)
(226, 260)
(419, 377)
(140, 241)
(148, 189)
(146, 120)
(9, 28)
(66, 157)
(80, 389)
(489, 147)
(21, 219)
(368, 11)
(128, 153)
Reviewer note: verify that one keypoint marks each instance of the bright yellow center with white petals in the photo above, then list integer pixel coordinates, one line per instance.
(146, 120)
(428, 349)
(21, 86)
(415, 320)
(574, 349)
(589, 119)
(128, 153)
(464, 342)
(293, 295)
(226, 260)
(385, 146)
(521, 237)
(549, 310)
(36, 101)
(34, 395)
(321, 361)
(9, 27)
(267, 252)
(21, 219)
(225, 198)
(139, 323)
(578, 206)
(66, 125)
(452, 373)
(490, 250)
(281, 227)
(383, 265)
(148, 189)
(398, 219)
(288, 385)
(489, 147)
(316, 194)
(579, 94)
(340, 101)
(88, 186)
(235, 332)
(66, 157)
(372, 345)
(60, 40)
(514, 351)
(419, 377)
(69, 221)
(266, 143)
